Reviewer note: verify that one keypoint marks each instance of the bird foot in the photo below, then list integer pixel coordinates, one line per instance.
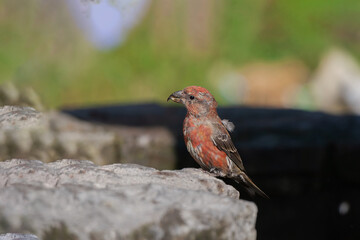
(210, 172)
(216, 172)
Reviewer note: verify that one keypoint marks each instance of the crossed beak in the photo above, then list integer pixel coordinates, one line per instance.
(176, 96)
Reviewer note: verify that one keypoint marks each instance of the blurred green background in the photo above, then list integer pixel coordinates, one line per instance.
(175, 44)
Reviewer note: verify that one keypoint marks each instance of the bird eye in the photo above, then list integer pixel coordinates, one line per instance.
(192, 97)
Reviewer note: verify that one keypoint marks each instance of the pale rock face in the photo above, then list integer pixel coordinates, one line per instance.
(27, 133)
(12, 117)
(335, 85)
(17, 236)
(120, 201)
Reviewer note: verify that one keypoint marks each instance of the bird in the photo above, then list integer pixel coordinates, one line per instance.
(207, 137)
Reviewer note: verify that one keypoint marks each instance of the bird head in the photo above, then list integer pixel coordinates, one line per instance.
(197, 100)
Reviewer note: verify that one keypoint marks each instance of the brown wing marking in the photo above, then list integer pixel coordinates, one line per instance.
(224, 143)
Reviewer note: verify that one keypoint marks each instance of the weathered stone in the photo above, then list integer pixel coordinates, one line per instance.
(9, 94)
(120, 201)
(12, 95)
(335, 85)
(30, 98)
(29, 134)
(18, 236)
(12, 117)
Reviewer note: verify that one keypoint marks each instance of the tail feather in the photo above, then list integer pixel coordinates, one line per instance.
(250, 185)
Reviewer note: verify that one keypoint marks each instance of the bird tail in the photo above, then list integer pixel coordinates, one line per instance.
(250, 185)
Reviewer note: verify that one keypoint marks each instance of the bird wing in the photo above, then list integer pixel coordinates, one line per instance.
(223, 142)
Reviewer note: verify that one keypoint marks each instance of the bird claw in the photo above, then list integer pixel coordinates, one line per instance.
(210, 172)
(216, 172)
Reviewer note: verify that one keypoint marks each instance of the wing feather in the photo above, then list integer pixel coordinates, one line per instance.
(223, 142)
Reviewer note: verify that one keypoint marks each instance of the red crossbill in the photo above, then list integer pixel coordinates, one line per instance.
(207, 138)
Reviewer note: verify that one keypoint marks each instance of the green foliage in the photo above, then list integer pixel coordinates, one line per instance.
(65, 70)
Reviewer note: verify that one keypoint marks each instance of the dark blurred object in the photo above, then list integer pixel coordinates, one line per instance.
(306, 161)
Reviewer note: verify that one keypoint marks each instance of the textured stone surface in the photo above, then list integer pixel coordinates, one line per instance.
(18, 117)
(18, 236)
(120, 201)
(13, 95)
(336, 83)
(27, 133)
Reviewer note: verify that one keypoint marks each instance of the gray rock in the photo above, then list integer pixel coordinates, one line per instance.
(121, 201)
(27, 133)
(12, 117)
(351, 95)
(30, 98)
(336, 84)
(10, 94)
(17, 236)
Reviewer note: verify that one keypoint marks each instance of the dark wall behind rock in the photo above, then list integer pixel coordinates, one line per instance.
(307, 162)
